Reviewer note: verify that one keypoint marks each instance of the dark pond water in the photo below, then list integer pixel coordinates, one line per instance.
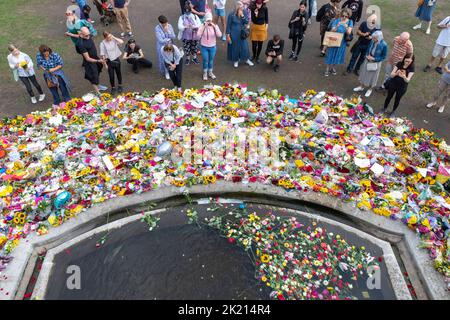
(175, 261)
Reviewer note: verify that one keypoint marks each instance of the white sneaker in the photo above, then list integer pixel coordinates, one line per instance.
(236, 64)
(167, 76)
(358, 89)
(368, 93)
(211, 75)
(417, 26)
(428, 31)
(41, 97)
(102, 87)
(33, 100)
(249, 63)
(431, 104)
(205, 76)
(441, 109)
(122, 35)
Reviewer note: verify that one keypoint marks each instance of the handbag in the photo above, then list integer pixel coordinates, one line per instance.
(245, 32)
(50, 83)
(420, 3)
(372, 66)
(332, 39)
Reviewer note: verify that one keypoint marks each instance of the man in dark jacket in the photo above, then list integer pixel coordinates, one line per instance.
(356, 6)
(274, 52)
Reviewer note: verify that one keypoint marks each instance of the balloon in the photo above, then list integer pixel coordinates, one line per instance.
(61, 199)
(164, 149)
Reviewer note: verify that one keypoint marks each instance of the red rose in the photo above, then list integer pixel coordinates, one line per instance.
(231, 240)
(237, 179)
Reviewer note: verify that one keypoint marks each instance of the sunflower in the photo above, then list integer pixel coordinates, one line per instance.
(209, 179)
(265, 258)
(386, 121)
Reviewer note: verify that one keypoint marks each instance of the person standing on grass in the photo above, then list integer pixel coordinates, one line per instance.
(376, 54)
(207, 35)
(401, 47)
(443, 90)
(258, 28)
(92, 64)
(359, 49)
(164, 35)
(325, 15)
(219, 10)
(336, 55)
(134, 56)
(425, 14)
(110, 52)
(173, 58)
(188, 25)
(51, 63)
(22, 67)
(297, 27)
(237, 27)
(74, 25)
(442, 46)
(398, 83)
(274, 52)
(356, 6)
(120, 8)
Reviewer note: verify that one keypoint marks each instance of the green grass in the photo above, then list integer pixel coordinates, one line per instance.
(26, 27)
(398, 16)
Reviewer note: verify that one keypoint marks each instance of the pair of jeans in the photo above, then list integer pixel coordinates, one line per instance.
(176, 75)
(27, 81)
(358, 56)
(64, 91)
(208, 55)
(139, 62)
(114, 67)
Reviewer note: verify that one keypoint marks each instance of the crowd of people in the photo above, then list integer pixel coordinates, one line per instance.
(344, 31)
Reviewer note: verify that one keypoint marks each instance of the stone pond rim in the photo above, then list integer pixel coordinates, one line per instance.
(418, 264)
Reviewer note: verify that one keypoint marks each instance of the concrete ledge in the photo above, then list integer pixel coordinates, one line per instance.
(395, 274)
(381, 227)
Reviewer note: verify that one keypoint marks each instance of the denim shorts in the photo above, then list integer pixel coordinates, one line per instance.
(220, 12)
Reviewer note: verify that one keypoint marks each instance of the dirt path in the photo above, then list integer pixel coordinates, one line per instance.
(292, 78)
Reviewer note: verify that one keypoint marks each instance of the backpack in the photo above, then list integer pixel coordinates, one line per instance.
(321, 12)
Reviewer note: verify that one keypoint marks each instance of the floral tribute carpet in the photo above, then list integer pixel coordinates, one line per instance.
(57, 163)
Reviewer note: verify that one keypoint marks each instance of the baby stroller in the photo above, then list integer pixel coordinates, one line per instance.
(105, 11)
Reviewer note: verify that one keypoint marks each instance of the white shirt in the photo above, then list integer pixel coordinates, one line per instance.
(110, 49)
(13, 60)
(444, 36)
(220, 4)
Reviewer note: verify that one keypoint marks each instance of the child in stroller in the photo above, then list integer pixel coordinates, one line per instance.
(105, 11)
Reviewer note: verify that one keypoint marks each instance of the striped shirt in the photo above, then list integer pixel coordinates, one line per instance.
(400, 50)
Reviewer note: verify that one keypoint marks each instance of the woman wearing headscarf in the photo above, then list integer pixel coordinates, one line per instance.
(359, 49)
(237, 33)
(370, 71)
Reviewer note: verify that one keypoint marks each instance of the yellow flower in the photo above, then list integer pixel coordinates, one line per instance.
(265, 258)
